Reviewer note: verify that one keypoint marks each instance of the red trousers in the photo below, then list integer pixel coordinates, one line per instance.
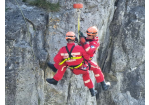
(85, 73)
(84, 70)
(97, 71)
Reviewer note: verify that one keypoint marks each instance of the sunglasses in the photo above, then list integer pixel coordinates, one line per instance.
(70, 36)
(91, 32)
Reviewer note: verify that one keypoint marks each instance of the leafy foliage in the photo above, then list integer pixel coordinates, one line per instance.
(46, 5)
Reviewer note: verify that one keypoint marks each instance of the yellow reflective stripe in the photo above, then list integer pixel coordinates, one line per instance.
(69, 59)
(76, 57)
(62, 62)
(76, 66)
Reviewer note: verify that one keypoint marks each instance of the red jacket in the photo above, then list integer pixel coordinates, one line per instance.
(76, 52)
(91, 46)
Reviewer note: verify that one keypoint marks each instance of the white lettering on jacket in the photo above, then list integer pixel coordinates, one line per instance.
(71, 60)
(65, 55)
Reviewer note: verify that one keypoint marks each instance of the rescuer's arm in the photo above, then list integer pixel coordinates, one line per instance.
(58, 58)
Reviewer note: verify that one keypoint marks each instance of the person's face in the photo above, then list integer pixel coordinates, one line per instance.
(90, 36)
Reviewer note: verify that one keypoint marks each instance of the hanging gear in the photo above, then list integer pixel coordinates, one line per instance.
(92, 31)
(78, 7)
(52, 81)
(70, 36)
(52, 67)
(70, 56)
(105, 86)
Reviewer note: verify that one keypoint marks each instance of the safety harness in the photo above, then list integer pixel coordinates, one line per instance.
(71, 57)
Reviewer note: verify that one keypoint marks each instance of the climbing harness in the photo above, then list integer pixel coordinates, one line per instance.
(75, 67)
(70, 56)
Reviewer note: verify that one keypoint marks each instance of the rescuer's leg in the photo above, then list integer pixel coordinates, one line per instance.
(58, 76)
(99, 75)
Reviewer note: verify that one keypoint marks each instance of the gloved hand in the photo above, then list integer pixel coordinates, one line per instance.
(81, 34)
(82, 40)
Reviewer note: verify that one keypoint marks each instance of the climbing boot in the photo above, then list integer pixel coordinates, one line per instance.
(52, 67)
(105, 86)
(93, 92)
(52, 81)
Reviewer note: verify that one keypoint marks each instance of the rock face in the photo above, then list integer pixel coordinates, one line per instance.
(124, 61)
(33, 41)
(24, 52)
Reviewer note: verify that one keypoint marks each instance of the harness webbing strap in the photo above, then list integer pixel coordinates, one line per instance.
(70, 51)
(76, 66)
(69, 59)
(70, 56)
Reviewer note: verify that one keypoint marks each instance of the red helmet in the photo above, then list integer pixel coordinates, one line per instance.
(70, 35)
(92, 31)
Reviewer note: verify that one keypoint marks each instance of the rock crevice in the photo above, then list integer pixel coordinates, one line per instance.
(28, 47)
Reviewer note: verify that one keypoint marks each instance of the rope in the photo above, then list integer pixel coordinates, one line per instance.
(78, 24)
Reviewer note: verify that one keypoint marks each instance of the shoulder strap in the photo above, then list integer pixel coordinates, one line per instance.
(70, 51)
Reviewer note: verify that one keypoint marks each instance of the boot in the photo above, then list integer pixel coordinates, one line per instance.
(52, 81)
(52, 67)
(93, 93)
(105, 86)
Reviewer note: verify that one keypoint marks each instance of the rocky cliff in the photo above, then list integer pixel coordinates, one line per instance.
(33, 41)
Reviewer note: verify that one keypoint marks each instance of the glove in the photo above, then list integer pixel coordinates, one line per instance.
(82, 40)
(81, 34)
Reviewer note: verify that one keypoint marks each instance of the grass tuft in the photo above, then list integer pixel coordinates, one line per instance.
(46, 5)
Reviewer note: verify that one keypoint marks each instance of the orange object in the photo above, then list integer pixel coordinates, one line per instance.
(92, 30)
(82, 39)
(70, 35)
(77, 6)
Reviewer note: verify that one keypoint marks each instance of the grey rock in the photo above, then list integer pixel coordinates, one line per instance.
(125, 54)
(33, 41)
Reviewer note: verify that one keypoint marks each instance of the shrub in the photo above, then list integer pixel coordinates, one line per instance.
(46, 5)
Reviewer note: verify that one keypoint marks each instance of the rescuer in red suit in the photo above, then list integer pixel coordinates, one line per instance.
(91, 44)
(74, 57)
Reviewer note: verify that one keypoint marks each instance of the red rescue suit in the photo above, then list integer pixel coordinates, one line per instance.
(90, 47)
(83, 69)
